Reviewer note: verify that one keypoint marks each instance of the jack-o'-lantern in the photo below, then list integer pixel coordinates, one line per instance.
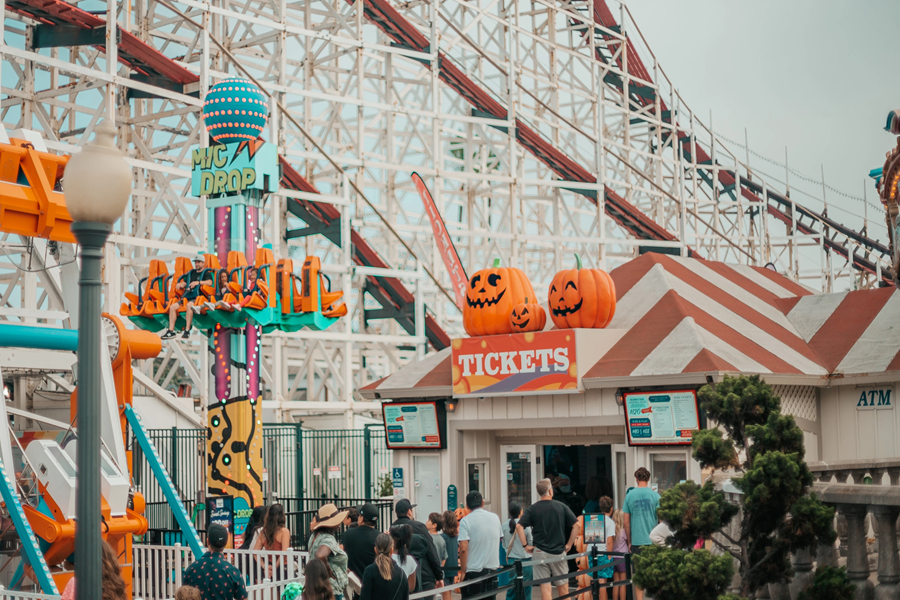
(527, 317)
(490, 297)
(582, 298)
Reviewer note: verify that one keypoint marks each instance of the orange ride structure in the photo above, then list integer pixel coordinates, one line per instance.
(39, 483)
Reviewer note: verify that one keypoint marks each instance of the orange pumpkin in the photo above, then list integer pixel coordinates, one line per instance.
(582, 298)
(527, 317)
(490, 297)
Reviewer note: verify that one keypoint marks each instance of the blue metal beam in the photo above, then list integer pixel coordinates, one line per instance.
(40, 338)
(162, 478)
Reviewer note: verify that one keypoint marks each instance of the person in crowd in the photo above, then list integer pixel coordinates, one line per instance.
(254, 526)
(619, 545)
(384, 579)
(640, 508)
(191, 290)
(614, 526)
(421, 546)
(660, 534)
(434, 524)
(187, 592)
(325, 546)
(274, 535)
(550, 522)
(592, 494)
(514, 548)
(451, 542)
(251, 284)
(480, 534)
(402, 536)
(317, 584)
(360, 542)
(569, 496)
(113, 586)
(212, 574)
(352, 520)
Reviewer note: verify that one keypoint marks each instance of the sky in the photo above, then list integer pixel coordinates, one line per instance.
(818, 78)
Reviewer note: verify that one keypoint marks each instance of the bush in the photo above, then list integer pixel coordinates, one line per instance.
(830, 583)
(675, 574)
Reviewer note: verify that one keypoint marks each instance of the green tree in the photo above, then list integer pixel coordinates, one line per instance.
(780, 515)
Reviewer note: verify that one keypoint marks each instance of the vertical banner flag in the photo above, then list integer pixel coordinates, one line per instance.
(445, 244)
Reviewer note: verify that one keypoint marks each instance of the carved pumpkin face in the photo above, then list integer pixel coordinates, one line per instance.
(490, 297)
(527, 317)
(582, 298)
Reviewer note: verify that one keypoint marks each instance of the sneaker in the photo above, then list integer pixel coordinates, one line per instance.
(168, 335)
(185, 335)
(196, 309)
(236, 306)
(209, 306)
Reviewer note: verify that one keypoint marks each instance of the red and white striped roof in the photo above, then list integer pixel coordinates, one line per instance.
(689, 316)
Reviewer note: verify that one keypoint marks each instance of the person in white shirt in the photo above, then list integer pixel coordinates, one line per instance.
(480, 533)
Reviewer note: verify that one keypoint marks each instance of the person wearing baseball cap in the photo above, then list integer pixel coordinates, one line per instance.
(190, 284)
(359, 542)
(422, 547)
(215, 577)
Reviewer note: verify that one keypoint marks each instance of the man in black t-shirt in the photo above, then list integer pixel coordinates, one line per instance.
(190, 285)
(359, 542)
(551, 523)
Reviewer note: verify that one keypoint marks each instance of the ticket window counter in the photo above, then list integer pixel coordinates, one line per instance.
(668, 468)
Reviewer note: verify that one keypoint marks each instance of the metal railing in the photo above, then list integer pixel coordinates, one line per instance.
(158, 570)
(589, 582)
(300, 463)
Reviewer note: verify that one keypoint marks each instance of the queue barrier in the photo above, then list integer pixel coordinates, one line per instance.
(518, 585)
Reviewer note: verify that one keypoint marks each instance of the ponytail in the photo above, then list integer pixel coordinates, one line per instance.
(384, 545)
(514, 511)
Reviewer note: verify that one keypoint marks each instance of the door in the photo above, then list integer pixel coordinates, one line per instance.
(518, 476)
(426, 482)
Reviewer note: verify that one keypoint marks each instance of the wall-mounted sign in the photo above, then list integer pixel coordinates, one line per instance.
(497, 365)
(875, 399)
(234, 168)
(221, 512)
(415, 425)
(397, 477)
(664, 418)
(334, 472)
(317, 472)
(452, 502)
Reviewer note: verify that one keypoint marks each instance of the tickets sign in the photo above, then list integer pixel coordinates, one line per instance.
(541, 362)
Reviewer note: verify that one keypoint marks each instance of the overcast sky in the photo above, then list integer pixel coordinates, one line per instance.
(817, 77)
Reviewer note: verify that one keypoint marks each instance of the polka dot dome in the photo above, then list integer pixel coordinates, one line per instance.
(235, 110)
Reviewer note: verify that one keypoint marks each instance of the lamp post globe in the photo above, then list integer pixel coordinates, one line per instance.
(97, 180)
(97, 184)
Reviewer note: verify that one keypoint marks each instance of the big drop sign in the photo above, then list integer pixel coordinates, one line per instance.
(498, 365)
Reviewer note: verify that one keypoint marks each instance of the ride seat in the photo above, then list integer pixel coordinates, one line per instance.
(315, 293)
(136, 302)
(169, 284)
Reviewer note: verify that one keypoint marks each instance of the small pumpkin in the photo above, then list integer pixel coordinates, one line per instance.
(527, 317)
(582, 298)
(490, 297)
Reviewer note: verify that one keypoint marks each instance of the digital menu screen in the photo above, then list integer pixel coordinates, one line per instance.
(416, 425)
(667, 418)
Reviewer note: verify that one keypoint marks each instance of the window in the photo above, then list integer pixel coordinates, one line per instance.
(667, 470)
(476, 477)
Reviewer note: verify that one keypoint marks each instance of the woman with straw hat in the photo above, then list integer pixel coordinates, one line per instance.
(325, 546)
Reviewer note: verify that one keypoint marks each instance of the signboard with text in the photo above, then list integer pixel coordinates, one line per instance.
(521, 363)
(221, 512)
(666, 418)
(875, 399)
(234, 168)
(415, 425)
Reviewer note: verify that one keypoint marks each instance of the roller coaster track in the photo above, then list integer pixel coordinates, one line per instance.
(837, 238)
(397, 302)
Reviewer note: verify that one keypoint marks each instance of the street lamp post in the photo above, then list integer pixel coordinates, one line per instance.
(97, 184)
